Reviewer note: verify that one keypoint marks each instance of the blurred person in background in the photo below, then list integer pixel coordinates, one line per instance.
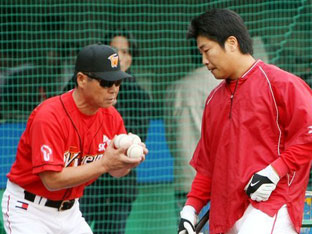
(184, 106)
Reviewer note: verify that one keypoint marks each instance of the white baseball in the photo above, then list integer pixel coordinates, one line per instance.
(135, 151)
(135, 138)
(122, 141)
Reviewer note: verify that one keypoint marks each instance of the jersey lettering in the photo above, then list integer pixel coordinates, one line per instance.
(101, 147)
(90, 158)
(71, 159)
(106, 142)
(47, 152)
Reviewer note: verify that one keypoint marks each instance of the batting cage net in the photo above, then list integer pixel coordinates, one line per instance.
(39, 41)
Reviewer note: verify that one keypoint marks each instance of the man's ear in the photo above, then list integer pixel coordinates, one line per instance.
(81, 79)
(231, 44)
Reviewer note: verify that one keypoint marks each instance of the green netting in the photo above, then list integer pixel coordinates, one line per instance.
(38, 44)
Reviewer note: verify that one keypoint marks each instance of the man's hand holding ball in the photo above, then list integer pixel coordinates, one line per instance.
(133, 145)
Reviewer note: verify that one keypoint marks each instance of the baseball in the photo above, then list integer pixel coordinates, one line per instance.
(135, 151)
(135, 139)
(122, 141)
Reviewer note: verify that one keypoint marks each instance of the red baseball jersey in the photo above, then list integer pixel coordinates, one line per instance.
(269, 115)
(58, 135)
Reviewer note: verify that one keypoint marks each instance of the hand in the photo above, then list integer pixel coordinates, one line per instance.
(262, 184)
(187, 221)
(145, 150)
(116, 159)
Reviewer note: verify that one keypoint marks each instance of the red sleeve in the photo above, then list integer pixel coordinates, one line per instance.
(292, 158)
(200, 192)
(47, 145)
(294, 101)
(201, 161)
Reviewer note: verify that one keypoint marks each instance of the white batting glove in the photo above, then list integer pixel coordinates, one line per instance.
(262, 184)
(188, 220)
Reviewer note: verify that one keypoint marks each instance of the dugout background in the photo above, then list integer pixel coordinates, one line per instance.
(40, 39)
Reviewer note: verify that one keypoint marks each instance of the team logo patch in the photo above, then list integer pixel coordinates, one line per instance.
(106, 142)
(310, 130)
(72, 157)
(46, 152)
(114, 60)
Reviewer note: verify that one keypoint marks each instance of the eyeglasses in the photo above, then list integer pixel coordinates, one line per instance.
(104, 83)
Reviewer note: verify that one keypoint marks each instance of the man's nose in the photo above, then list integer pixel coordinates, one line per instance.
(205, 60)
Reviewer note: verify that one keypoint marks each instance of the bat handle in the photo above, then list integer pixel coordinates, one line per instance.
(202, 222)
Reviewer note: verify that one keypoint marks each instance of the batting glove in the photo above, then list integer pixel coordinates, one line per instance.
(187, 221)
(262, 184)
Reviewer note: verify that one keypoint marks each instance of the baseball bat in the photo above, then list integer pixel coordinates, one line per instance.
(202, 222)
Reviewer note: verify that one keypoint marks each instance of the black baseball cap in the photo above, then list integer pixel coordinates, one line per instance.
(100, 60)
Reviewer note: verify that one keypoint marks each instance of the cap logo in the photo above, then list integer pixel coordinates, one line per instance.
(114, 60)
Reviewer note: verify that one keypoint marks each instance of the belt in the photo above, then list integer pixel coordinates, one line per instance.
(60, 205)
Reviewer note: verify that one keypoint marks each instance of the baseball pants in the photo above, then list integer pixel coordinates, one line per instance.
(21, 216)
(256, 222)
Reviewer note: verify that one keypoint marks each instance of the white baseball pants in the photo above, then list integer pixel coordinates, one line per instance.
(256, 222)
(21, 216)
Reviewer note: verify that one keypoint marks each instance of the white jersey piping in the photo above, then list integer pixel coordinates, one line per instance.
(279, 129)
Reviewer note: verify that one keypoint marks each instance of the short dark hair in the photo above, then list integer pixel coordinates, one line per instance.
(122, 32)
(218, 25)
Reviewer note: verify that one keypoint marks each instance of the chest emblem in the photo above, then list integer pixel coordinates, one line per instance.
(104, 144)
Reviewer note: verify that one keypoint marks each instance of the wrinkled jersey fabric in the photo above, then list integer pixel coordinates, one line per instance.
(269, 115)
(58, 135)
